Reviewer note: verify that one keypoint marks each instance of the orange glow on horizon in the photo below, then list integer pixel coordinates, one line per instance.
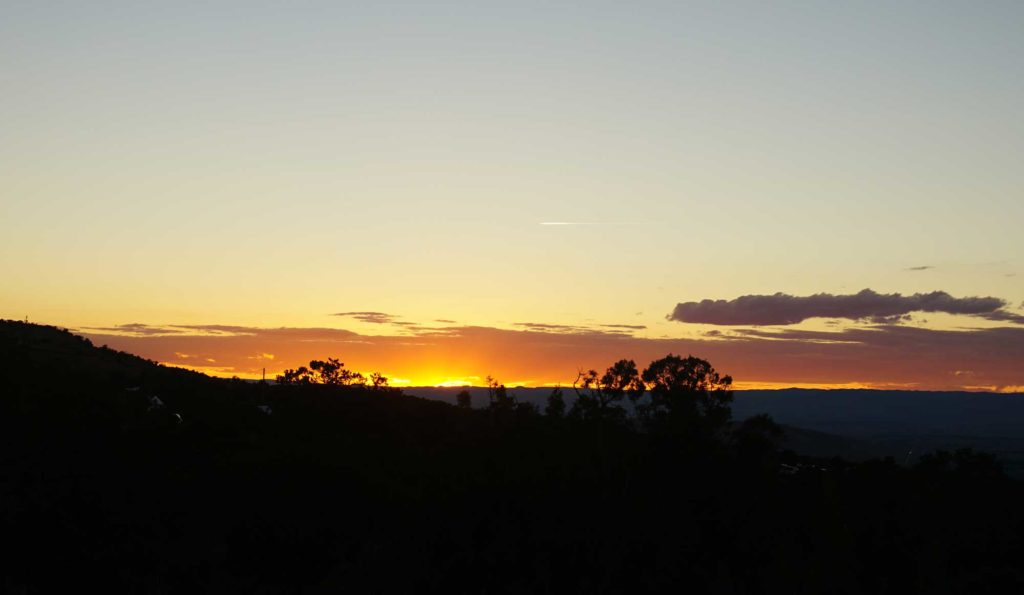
(427, 379)
(450, 381)
(435, 380)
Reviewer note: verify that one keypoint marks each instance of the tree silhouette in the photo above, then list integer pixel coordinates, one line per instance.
(378, 381)
(963, 461)
(687, 392)
(464, 400)
(299, 375)
(498, 398)
(598, 397)
(757, 440)
(556, 403)
(331, 372)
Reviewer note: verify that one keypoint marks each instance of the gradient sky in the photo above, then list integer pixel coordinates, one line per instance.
(265, 165)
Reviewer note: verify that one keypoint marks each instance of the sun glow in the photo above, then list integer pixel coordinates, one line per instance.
(456, 382)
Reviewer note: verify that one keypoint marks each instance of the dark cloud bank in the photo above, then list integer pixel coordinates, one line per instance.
(782, 309)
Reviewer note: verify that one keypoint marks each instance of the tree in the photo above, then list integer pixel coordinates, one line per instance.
(964, 461)
(556, 403)
(687, 392)
(498, 397)
(331, 372)
(756, 441)
(598, 397)
(463, 400)
(378, 381)
(298, 376)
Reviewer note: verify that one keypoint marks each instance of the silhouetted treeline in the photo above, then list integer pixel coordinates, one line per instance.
(127, 476)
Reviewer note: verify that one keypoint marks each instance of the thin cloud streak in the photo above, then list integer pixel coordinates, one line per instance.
(616, 223)
(370, 317)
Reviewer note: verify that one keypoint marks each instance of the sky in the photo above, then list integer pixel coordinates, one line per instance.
(522, 189)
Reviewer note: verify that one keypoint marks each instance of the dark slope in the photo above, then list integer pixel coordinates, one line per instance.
(352, 490)
(117, 493)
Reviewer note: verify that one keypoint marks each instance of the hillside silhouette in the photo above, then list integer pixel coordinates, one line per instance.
(125, 475)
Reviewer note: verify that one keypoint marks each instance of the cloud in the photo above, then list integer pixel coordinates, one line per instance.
(371, 317)
(609, 329)
(550, 328)
(136, 329)
(919, 268)
(1004, 316)
(783, 309)
(210, 329)
(894, 319)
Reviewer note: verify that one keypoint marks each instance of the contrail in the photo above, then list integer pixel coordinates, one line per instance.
(592, 223)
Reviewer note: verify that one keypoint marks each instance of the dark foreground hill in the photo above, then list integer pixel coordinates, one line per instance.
(122, 475)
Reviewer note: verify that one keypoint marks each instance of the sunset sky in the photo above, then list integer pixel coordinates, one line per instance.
(443, 191)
